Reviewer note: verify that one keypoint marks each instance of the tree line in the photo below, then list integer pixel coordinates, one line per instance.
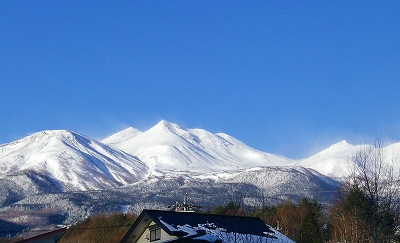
(302, 222)
(102, 228)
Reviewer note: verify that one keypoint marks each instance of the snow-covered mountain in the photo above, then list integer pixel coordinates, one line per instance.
(167, 146)
(61, 176)
(71, 161)
(333, 161)
(336, 160)
(392, 153)
(121, 136)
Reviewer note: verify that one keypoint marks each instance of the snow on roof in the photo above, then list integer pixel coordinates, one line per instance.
(170, 227)
(216, 228)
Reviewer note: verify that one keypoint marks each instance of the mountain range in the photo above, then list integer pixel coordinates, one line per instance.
(61, 176)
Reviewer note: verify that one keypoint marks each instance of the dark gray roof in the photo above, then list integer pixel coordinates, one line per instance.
(53, 236)
(236, 224)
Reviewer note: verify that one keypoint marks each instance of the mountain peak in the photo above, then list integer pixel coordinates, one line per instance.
(123, 135)
(340, 144)
(39, 136)
(163, 122)
(165, 125)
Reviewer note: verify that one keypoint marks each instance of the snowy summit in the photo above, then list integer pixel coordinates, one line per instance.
(167, 146)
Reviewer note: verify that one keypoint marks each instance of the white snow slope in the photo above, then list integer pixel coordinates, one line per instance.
(167, 146)
(336, 160)
(333, 161)
(71, 160)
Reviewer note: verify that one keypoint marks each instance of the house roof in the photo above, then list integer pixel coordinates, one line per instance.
(55, 235)
(172, 222)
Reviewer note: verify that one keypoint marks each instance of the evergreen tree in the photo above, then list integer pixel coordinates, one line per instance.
(231, 208)
(312, 221)
(100, 228)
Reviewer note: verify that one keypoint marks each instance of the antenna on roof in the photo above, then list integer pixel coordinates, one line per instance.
(183, 207)
(185, 198)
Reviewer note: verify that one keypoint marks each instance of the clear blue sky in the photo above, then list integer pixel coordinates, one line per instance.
(285, 77)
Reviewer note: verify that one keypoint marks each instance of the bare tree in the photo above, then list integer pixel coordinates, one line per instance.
(377, 176)
(349, 217)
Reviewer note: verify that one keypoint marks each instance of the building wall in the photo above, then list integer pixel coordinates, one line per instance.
(164, 236)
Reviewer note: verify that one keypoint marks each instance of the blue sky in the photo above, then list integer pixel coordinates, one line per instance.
(285, 77)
